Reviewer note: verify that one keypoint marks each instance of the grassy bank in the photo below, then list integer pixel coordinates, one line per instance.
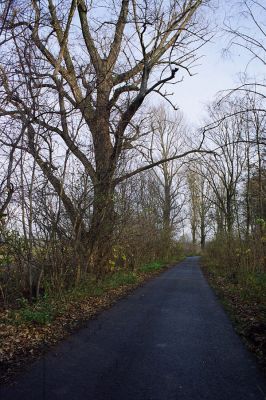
(243, 294)
(26, 332)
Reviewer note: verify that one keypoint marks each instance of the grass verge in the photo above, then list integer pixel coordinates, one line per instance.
(243, 294)
(27, 332)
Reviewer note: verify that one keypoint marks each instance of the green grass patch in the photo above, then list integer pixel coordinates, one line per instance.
(42, 312)
(154, 266)
(86, 288)
(120, 278)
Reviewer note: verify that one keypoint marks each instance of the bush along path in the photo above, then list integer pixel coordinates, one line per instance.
(27, 332)
(243, 294)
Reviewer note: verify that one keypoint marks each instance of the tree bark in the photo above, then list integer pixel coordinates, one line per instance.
(102, 229)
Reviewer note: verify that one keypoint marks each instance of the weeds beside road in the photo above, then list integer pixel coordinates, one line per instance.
(243, 294)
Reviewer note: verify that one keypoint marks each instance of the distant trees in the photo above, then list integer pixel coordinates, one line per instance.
(230, 175)
(169, 134)
(200, 201)
(225, 170)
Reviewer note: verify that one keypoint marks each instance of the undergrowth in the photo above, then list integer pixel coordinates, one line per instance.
(47, 308)
(243, 294)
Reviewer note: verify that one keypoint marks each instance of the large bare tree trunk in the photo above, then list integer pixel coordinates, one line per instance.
(102, 229)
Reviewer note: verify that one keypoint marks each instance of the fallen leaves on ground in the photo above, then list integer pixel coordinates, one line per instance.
(247, 313)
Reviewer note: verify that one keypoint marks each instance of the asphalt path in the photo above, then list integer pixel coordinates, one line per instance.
(169, 340)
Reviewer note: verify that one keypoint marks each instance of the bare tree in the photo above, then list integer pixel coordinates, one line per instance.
(77, 76)
(6, 185)
(194, 206)
(200, 200)
(169, 133)
(225, 170)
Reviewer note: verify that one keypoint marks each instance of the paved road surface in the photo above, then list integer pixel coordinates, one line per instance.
(169, 340)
